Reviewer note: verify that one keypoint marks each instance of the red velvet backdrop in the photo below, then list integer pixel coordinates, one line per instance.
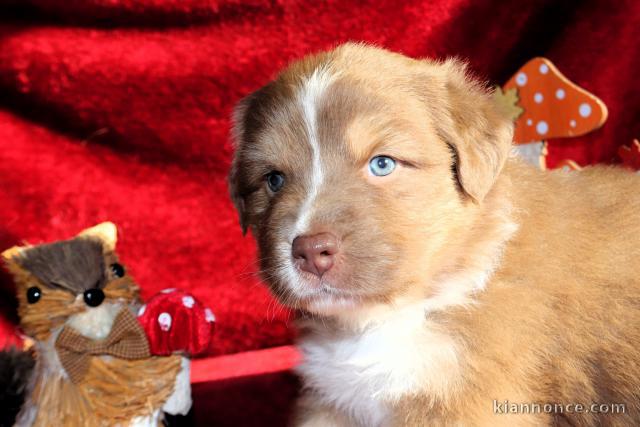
(119, 110)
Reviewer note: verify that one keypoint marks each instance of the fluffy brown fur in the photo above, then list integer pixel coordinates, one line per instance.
(75, 265)
(464, 276)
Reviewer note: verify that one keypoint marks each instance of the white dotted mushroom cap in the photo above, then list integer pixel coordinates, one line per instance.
(553, 106)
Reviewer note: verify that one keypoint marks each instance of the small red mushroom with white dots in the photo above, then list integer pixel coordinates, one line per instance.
(176, 322)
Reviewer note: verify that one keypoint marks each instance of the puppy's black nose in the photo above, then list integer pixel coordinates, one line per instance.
(315, 254)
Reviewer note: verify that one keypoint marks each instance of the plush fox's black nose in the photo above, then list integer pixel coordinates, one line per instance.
(93, 297)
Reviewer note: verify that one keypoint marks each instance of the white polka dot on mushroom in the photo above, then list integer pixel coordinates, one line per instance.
(521, 79)
(529, 122)
(188, 301)
(572, 123)
(560, 94)
(538, 97)
(585, 109)
(544, 68)
(542, 127)
(168, 290)
(164, 320)
(141, 310)
(209, 316)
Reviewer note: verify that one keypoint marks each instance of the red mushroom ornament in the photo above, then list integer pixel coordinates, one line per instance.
(176, 322)
(544, 104)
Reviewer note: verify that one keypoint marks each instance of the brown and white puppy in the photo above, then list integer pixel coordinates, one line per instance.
(438, 277)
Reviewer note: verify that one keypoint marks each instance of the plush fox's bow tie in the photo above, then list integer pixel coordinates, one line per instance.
(126, 340)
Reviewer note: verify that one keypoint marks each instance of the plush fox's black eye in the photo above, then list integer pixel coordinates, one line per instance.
(275, 181)
(33, 294)
(117, 270)
(93, 297)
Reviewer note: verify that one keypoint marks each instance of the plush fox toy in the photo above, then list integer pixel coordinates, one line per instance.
(92, 364)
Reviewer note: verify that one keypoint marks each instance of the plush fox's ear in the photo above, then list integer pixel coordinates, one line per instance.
(9, 255)
(10, 259)
(105, 232)
(476, 128)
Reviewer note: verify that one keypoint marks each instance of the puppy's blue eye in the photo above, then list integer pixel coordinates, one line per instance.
(275, 181)
(382, 165)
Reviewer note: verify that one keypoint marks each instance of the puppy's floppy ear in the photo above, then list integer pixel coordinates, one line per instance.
(239, 135)
(237, 198)
(477, 130)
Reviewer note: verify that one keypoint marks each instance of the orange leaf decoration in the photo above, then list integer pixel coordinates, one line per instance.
(630, 155)
(554, 107)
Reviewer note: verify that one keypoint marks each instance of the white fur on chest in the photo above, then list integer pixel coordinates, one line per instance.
(362, 374)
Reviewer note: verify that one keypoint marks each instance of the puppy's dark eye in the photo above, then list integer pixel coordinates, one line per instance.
(33, 294)
(117, 270)
(275, 181)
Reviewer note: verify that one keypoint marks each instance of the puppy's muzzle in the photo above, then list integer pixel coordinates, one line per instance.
(315, 254)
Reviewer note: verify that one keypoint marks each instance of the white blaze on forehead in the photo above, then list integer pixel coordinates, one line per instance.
(309, 97)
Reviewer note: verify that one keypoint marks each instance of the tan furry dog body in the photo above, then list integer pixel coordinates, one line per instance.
(441, 281)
